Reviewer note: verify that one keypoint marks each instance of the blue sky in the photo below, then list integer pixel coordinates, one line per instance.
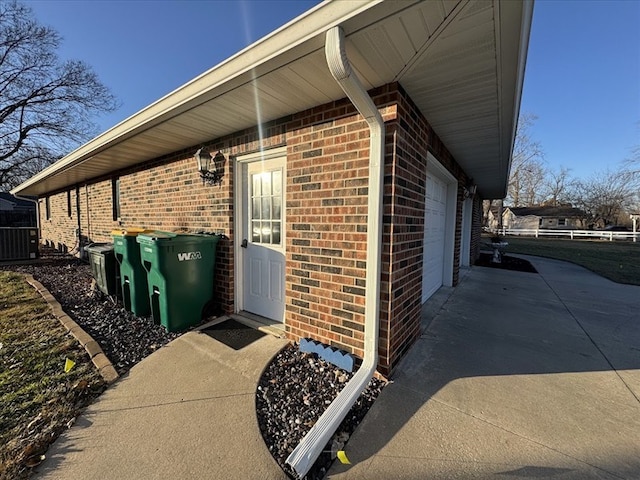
(582, 78)
(583, 82)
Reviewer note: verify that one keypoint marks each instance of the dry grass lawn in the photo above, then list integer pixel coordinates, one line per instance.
(38, 400)
(618, 260)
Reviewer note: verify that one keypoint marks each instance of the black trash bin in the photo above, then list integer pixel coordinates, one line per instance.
(104, 267)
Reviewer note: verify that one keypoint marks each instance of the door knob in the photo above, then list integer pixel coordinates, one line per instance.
(244, 243)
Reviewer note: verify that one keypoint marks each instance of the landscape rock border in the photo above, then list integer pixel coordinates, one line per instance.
(99, 359)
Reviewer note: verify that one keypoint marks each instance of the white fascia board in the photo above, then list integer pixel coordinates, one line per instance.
(511, 55)
(309, 25)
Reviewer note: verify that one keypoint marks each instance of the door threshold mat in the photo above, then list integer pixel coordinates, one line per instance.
(233, 334)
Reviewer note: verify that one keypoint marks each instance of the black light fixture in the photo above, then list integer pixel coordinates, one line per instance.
(470, 190)
(210, 166)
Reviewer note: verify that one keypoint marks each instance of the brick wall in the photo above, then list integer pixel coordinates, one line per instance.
(327, 187)
(326, 215)
(411, 138)
(59, 230)
(164, 194)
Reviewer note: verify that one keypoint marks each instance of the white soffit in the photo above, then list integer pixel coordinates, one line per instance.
(447, 54)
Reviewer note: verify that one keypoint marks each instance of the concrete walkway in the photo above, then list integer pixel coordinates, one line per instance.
(517, 376)
(185, 412)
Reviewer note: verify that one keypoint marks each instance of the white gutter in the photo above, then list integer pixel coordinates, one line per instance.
(310, 447)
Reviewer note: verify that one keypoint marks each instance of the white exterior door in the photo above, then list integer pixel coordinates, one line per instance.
(262, 281)
(435, 214)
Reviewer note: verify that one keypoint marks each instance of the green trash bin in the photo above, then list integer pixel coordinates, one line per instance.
(133, 276)
(180, 274)
(104, 267)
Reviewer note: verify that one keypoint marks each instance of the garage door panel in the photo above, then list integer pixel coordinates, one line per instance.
(434, 235)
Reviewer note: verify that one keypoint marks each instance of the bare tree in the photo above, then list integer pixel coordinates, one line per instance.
(532, 183)
(557, 187)
(606, 197)
(492, 208)
(632, 163)
(46, 104)
(486, 208)
(528, 169)
(631, 168)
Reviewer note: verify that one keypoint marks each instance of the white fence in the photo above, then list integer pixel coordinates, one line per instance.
(572, 234)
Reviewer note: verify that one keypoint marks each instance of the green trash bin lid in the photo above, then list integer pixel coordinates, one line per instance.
(159, 237)
(155, 237)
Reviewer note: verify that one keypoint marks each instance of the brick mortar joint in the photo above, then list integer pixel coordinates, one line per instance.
(54, 304)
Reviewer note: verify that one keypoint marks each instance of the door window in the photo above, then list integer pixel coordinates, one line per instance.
(266, 207)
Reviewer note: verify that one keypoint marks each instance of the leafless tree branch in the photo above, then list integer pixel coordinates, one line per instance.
(46, 105)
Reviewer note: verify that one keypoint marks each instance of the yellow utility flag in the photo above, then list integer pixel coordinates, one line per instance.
(342, 456)
(68, 365)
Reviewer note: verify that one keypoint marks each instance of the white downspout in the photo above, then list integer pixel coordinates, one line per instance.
(310, 447)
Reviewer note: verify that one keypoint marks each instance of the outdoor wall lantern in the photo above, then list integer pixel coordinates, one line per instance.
(210, 166)
(470, 190)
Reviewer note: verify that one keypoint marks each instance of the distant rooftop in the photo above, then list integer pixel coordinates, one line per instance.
(546, 211)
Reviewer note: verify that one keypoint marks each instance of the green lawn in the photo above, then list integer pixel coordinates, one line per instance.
(37, 398)
(617, 260)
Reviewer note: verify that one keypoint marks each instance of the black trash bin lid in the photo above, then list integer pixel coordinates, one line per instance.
(99, 248)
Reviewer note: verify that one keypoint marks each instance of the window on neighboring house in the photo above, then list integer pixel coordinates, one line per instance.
(540, 222)
(562, 222)
(47, 208)
(115, 196)
(69, 211)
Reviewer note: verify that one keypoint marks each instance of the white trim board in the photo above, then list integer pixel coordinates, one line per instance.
(439, 170)
(239, 213)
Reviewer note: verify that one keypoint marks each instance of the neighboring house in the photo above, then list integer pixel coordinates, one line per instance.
(544, 217)
(297, 197)
(16, 212)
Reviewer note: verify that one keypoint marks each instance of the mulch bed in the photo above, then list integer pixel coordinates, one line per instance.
(508, 263)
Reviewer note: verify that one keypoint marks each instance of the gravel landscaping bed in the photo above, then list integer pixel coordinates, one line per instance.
(295, 389)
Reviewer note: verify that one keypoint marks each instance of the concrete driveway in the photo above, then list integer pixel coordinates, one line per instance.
(516, 376)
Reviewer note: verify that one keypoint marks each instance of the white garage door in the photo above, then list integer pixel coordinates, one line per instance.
(434, 235)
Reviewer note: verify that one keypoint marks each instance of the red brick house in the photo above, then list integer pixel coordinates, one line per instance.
(296, 189)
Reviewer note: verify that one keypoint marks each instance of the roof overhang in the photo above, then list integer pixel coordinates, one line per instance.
(461, 62)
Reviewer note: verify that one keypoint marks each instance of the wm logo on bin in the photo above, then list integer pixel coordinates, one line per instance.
(189, 256)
